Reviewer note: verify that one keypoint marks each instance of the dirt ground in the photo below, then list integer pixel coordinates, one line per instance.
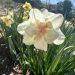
(7, 66)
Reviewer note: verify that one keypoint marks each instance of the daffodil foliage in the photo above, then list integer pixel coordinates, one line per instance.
(42, 43)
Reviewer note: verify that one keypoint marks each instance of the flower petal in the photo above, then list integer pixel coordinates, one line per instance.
(45, 12)
(28, 40)
(41, 44)
(22, 26)
(36, 15)
(31, 30)
(60, 39)
(55, 19)
(51, 36)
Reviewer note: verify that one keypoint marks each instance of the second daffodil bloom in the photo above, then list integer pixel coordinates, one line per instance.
(11, 13)
(41, 29)
(27, 6)
(8, 20)
(25, 18)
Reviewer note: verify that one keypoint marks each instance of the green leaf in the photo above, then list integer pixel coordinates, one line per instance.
(11, 47)
(55, 63)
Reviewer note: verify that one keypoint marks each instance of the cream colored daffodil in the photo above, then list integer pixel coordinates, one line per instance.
(25, 18)
(8, 20)
(11, 13)
(27, 6)
(41, 29)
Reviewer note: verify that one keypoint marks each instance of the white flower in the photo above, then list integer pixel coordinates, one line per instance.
(41, 29)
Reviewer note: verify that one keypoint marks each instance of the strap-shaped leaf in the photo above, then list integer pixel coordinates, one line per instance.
(11, 46)
(55, 62)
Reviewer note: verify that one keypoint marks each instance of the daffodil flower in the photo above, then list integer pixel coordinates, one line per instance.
(41, 29)
(8, 20)
(25, 18)
(27, 6)
(11, 13)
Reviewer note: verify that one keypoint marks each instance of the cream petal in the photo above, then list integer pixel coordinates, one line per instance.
(48, 15)
(36, 15)
(31, 30)
(45, 12)
(28, 40)
(41, 44)
(22, 26)
(55, 19)
(51, 36)
(60, 39)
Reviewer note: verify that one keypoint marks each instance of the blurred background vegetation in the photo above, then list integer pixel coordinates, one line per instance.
(65, 7)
